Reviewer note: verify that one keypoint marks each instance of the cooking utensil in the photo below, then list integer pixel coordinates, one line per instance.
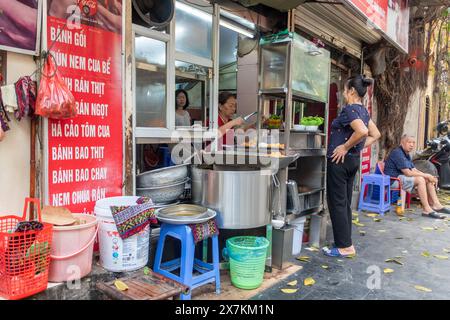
(277, 213)
(58, 216)
(196, 153)
(162, 177)
(293, 200)
(249, 116)
(210, 214)
(163, 194)
(277, 224)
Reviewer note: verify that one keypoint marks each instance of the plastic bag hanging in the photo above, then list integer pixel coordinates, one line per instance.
(54, 98)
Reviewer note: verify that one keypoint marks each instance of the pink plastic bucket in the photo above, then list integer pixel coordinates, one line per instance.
(72, 250)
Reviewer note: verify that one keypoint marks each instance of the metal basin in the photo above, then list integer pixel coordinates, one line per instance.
(162, 177)
(183, 212)
(163, 194)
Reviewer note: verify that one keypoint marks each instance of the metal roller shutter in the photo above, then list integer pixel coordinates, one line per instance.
(337, 25)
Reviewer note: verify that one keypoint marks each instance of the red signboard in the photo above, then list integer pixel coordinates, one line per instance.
(390, 16)
(374, 10)
(85, 154)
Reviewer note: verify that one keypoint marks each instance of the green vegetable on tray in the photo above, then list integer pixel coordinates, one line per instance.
(312, 121)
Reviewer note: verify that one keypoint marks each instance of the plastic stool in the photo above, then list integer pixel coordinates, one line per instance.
(188, 264)
(366, 200)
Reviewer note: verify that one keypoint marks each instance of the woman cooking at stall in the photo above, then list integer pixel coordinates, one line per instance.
(227, 109)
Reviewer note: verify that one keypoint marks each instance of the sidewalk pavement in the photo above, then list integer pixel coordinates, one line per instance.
(420, 244)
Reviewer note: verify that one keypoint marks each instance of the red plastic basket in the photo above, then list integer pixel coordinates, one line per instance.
(24, 256)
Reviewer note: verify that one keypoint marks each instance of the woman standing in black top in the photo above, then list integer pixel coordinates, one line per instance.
(351, 131)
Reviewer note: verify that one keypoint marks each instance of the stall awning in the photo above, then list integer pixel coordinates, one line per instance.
(337, 25)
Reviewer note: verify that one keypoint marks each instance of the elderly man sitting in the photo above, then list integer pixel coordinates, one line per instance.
(399, 164)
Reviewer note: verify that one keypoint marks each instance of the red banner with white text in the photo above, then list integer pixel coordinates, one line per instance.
(85, 154)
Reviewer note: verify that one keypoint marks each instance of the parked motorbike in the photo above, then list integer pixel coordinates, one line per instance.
(435, 159)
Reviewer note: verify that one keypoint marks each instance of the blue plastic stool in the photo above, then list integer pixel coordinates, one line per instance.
(375, 183)
(209, 272)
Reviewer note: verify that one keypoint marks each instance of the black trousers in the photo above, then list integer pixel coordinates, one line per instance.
(340, 178)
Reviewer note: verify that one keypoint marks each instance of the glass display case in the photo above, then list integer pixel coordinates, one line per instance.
(310, 67)
(294, 88)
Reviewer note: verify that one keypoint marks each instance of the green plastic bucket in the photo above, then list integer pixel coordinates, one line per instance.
(247, 257)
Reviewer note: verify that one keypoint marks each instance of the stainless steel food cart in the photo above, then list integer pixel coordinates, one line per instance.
(295, 72)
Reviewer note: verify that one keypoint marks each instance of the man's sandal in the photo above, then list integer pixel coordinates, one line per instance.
(433, 215)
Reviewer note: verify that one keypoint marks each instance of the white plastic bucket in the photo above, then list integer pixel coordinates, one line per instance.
(298, 225)
(72, 250)
(119, 255)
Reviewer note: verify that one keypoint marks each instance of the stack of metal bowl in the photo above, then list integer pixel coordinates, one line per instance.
(164, 185)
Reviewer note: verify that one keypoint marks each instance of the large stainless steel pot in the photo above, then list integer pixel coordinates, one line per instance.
(241, 198)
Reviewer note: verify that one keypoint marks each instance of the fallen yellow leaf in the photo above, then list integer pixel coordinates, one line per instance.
(358, 224)
(120, 285)
(446, 250)
(426, 254)
(309, 282)
(421, 288)
(372, 215)
(312, 249)
(325, 267)
(289, 290)
(387, 270)
(303, 258)
(377, 220)
(292, 283)
(427, 228)
(441, 257)
(394, 260)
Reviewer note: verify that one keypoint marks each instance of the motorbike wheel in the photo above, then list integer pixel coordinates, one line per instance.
(426, 167)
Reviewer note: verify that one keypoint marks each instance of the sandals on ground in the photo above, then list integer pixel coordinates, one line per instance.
(334, 252)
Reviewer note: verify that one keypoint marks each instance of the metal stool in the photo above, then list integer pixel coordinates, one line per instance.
(366, 200)
(187, 263)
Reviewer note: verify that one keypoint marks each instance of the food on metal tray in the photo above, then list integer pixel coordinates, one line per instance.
(249, 144)
(276, 154)
(271, 145)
